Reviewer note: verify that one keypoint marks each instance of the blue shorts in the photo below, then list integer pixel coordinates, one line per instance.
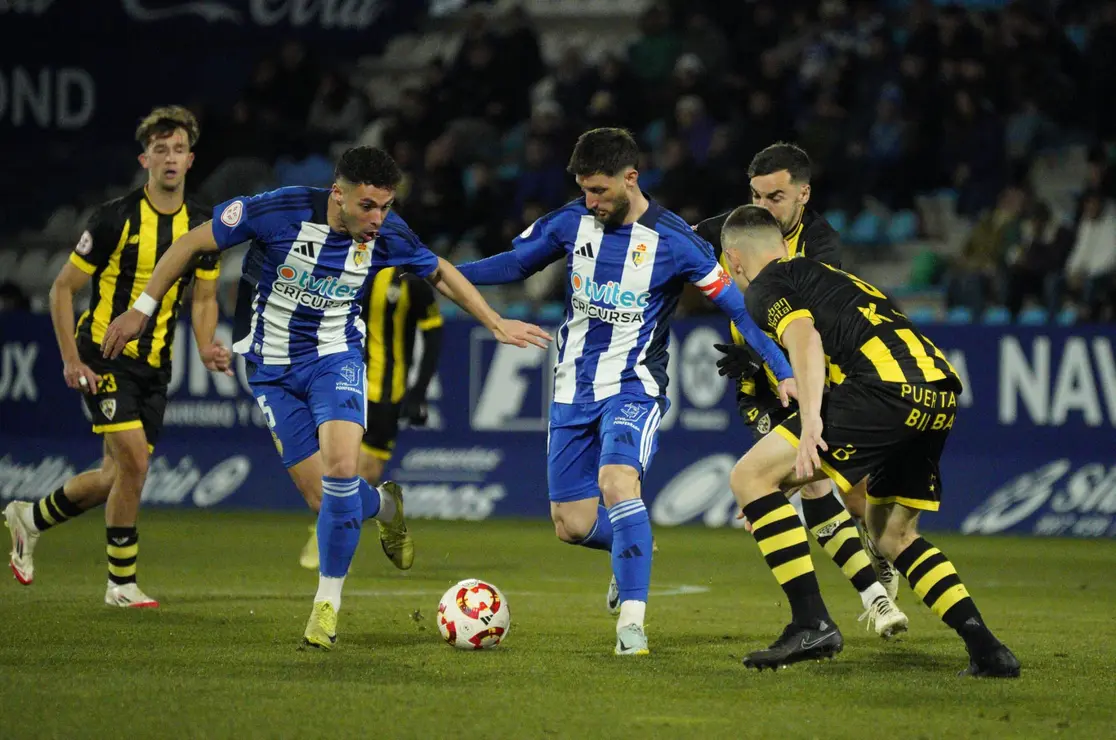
(622, 430)
(297, 399)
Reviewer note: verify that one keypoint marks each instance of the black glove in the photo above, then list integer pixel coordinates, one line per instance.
(739, 362)
(413, 408)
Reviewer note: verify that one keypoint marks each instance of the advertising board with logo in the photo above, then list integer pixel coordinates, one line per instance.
(1033, 450)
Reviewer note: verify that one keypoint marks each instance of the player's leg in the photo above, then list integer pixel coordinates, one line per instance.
(758, 481)
(835, 531)
(934, 579)
(26, 520)
(886, 574)
(629, 430)
(130, 453)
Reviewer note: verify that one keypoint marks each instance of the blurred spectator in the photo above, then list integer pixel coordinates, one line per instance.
(337, 113)
(1044, 245)
(298, 78)
(542, 179)
(693, 126)
(518, 56)
(973, 154)
(983, 260)
(706, 42)
(1090, 275)
(12, 298)
(653, 54)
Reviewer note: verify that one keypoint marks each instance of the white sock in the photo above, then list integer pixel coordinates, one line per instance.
(387, 507)
(870, 594)
(631, 612)
(329, 589)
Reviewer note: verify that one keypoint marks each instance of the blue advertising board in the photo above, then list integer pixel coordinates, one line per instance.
(1034, 449)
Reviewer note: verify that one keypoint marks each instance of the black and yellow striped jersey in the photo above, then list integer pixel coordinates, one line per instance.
(812, 238)
(395, 306)
(864, 335)
(119, 248)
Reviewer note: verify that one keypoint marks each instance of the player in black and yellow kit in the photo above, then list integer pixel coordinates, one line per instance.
(126, 397)
(892, 403)
(780, 182)
(397, 306)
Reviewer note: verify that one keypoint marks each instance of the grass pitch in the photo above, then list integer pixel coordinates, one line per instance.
(219, 658)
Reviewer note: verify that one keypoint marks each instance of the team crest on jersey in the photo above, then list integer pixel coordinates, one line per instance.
(232, 214)
(360, 254)
(85, 244)
(108, 408)
(349, 373)
(638, 254)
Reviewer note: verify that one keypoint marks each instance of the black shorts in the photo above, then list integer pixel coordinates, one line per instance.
(381, 429)
(131, 394)
(894, 433)
(762, 419)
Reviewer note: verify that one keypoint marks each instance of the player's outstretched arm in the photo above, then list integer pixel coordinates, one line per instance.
(452, 284)
(732, 303)
(807, 357)
(129, 325)
(203, 317)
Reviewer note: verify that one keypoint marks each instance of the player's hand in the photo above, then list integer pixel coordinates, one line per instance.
(79, 377)
(217, 358)
(413, 408)
(520, 333)
(123, 329)
(788, 389)
(738, 363)
(809, 442)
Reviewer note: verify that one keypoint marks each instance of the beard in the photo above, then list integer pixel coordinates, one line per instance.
(620, 209)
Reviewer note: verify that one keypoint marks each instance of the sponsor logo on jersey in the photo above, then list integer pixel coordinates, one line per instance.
(319, 293)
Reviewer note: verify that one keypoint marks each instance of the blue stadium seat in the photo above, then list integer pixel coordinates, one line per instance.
(959, 315)
(517, 310)
(922, 315)
(552, 312)
(996, 316)
(1034, 316)
(839, 220)
(867, 228)
(1067, 317)
(902, 228)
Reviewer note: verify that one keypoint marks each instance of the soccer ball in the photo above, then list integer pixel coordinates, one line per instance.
(473, 615)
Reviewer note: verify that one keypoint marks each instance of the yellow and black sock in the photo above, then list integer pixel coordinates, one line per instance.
(782, 540)
(123, 548)
(936, 582)
(54, 509)
(837, 534)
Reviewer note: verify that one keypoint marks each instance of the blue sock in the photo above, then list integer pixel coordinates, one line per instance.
(631, 549)
(600, 536)
(369, 499)
(338, 525)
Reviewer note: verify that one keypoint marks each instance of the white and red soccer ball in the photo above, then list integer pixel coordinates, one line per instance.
(473, 615)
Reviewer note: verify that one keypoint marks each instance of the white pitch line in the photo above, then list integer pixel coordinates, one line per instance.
(681, 590)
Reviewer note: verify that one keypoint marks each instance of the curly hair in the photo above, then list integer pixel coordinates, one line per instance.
(164, 121)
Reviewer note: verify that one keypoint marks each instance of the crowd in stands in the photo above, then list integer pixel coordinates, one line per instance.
(902, 106)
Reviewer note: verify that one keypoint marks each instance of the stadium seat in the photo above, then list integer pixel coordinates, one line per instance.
(922, 315)
(959, 315)
(866, 229)
(1034, 316)
(839, 220)
(902, 228)
(996, 316)
(517, 310)
(1067, 316)
(551, 312)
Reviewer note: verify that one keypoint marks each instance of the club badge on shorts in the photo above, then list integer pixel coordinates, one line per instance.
(108, 408)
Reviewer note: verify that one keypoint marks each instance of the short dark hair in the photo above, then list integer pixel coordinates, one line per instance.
(163, 121)
(747, 220)
(367, 165)
(603, 151)
(781, 156)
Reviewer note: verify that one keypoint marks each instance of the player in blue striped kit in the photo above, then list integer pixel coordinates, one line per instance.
(628, 259)
(313, 254)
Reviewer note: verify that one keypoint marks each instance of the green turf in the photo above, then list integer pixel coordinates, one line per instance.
(219, 658)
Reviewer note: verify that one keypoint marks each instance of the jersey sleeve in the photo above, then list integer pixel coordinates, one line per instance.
(242, 218)
(424, 305)
(99, 240)
(542, 242)
(696, 264)
(773, 302)
(824, 244)
(398, 246)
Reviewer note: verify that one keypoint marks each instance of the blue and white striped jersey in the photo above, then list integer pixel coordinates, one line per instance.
(303, 282)
(622, 288)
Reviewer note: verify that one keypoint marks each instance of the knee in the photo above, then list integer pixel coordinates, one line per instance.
(344, 466)
(817, 489)
(570, 529)
(894, 538)
(129, 463)
(748, 481)
(618, 483)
